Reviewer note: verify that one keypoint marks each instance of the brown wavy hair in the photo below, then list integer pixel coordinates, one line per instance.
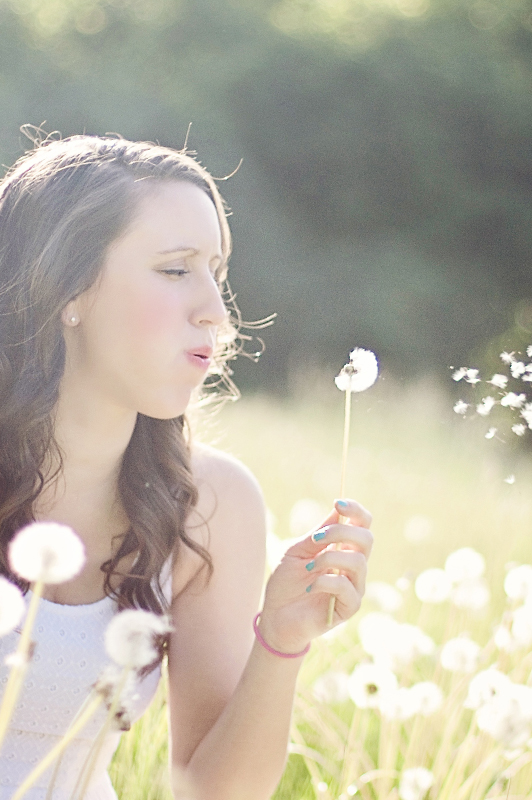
(61, 206)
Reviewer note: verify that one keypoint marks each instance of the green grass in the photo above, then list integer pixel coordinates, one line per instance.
(411, 459)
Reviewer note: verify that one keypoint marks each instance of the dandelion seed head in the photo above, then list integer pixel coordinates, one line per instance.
(522, 625)
(46, 551)
(130, 637)
(331, 687)
(459, 374)
(491, 433)
(359, 373)
(384, 595)
(471, 376)
(499, 381)
(517, 368)
(518, 582)
(507, 717)
(399, 705)
(485, 406)
(507, 358)
(519, 429)
(504, 640)
(460, 407)
(473, 595)
(12, 606)
(433, 586)
(485, 685)
(460, 655)
(415, 783)
(464, 564)
(427, 697)
(370, 684)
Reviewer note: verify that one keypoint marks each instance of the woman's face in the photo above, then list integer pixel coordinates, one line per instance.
(147, 327)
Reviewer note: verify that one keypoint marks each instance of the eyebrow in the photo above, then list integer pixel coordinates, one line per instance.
(184, 249)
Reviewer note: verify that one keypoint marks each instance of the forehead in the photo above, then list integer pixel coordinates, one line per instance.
(174, 214)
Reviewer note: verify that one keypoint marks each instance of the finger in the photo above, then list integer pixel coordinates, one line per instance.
(352, 563)
(354, 512)
(349, 536)
(348, 596)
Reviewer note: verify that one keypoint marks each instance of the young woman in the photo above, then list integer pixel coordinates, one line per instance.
(112, 258)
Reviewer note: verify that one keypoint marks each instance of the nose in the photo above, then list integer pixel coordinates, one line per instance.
(211, 310)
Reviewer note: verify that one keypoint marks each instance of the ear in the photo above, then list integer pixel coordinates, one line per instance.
(69, 315)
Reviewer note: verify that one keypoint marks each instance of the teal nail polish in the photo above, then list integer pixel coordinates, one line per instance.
(310, 565)
(308, 588)
(319, 535)
(341, 503)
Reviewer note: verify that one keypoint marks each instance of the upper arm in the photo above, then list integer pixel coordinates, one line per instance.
(212, 634)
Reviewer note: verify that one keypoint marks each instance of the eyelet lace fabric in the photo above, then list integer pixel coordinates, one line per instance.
(69, 656)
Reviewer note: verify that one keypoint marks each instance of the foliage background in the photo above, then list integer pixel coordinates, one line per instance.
(384, 194)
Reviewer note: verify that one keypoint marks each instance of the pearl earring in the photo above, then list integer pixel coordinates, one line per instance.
(73, 319)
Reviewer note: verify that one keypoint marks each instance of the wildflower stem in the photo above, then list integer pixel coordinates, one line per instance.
(343, 471)
(58, 749)
(16, 675)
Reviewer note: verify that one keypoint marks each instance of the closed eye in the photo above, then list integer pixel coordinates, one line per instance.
(175, 272)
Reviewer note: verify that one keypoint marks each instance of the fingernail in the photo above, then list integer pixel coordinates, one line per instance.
(308, 588)
(310, 565)
(316, 537)
(342, 503)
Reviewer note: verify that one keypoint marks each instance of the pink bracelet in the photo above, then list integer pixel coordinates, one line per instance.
(270, 649)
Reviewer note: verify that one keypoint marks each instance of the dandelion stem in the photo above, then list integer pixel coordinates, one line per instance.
(343, 471)
(58, 749)
(16, 675)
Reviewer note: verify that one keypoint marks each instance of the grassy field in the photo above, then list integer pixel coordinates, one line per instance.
(434, 484)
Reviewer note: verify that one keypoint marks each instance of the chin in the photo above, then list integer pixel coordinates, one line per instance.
(169, 409)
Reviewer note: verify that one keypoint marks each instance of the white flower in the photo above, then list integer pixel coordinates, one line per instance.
(393, 644)
(513, 400)
(130, 637)
(517, 368)
(399, 705)
(460, 407)
(519, 429)
(427, 697)
(485, 685)
(460, 655)
(375, 630)
(507, 358)
(473, 595)
(433, 586)
(518, 582)
(464, 564)
(485, 406)
(459, 374)
(499, 381)
(360, 373)
(371, 684)
(491, 433)
(12, 606)
(522, 625)
(415, 783)
(331, 687)
(46, 551)
(507, 717)
(471, 376)
(386, 596)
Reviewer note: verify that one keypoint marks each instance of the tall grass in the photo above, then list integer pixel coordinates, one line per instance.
(434, 485)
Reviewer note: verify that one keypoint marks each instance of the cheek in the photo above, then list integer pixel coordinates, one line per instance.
(149, 314)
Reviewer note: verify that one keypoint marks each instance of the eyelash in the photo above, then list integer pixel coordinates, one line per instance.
(175, 273)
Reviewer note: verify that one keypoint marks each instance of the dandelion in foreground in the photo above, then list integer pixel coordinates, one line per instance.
(519, 429)
(518, 582)
(47, 552)
(499, 381)
(485, 406)
(507, 358)
(460, 655)
(399, 705)
(460, 407)
(473, 595)
(427, 697)
(131, 637)
(384, 595)
(464, 564)
(415, 783)
(12, 606)
(486, 685)
(371, 684)
(507, 717)
(522, 626)
(513, 400)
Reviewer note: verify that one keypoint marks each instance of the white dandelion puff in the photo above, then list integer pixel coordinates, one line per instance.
(12, 606)
(459, 374)
(46, 551)
(484, 686)
(415, 783)
(504, 640)
(384, 595)
(460, 407)
(427, 697)
(499, 381)
(526, 413)
(110, 681)
(464, 564)
(331, 687)
(529, 351)
(490, 433)
(473, 595)
(371, 684)
(507, 358)
(460, 655)
(522, 625)
(131, 636)
(360, 373)
(517, 368)
(471, 376)
(433, 586)
(518, 582)
(513, 400)
(485, 406)
(399, 705)
(519, 429)
(507, 717)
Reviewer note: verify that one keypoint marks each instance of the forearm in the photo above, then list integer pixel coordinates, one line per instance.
(243, 755)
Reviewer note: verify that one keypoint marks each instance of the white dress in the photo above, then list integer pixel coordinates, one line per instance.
(68, 657)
